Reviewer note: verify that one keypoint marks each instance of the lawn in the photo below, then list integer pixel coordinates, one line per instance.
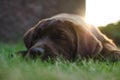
(17, 68)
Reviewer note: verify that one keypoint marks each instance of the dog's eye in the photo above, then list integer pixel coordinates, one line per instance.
(59, 37)
(62, 37)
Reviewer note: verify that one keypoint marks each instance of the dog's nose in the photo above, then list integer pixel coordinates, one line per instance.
(38, 51)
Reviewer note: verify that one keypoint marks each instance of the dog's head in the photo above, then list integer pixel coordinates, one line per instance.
(61, 36)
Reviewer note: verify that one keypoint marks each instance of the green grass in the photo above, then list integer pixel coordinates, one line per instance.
(17, 68)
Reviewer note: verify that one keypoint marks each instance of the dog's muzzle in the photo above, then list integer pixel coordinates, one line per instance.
(34, 52)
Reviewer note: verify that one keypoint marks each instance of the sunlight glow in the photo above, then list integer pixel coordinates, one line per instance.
(102, 12)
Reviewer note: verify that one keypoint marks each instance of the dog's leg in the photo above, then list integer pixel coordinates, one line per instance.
(110, 50)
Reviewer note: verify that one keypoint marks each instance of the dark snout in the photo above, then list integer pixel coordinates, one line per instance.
(36, 52)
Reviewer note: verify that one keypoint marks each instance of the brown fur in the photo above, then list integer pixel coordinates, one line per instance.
(71, 37)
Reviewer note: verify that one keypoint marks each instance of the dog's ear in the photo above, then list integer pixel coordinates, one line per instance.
(28, 37)
(31, 35)
(88, 44)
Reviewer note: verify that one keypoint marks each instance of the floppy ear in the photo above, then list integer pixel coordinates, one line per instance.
(31, 34)
(28, 37)
(88, 45)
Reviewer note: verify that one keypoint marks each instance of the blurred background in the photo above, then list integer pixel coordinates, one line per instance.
(17, 16)
(105, 14)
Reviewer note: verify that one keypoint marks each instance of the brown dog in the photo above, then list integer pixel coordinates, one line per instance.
(69, 36)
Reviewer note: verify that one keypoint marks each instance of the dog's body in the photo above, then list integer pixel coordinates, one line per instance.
(69, 36)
